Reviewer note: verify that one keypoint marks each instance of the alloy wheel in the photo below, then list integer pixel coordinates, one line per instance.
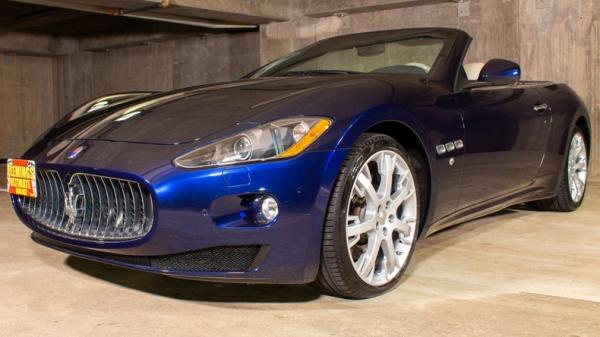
(381, 217)
(577, 167)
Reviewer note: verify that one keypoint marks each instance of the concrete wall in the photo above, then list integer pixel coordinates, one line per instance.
(28, 100)
(158, 66)
(36, 90)
(554, 40)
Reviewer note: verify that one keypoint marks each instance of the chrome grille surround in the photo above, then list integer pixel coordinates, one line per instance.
(89, 207)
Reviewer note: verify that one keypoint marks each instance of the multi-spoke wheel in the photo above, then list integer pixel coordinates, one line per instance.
(573, 181)
(577, 167)
(381, 217)
(372, 220)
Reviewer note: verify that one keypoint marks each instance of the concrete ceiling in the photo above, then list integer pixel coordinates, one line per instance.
(221, 14)
(319, 8)
(66, 22)
(66, 26)
(213, 14)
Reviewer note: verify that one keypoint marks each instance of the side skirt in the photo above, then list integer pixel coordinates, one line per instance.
(486, 208)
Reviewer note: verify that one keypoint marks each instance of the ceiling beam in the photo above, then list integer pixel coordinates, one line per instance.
(319, 9)
(252, 12)
(45, 18)
(187, 20)
(107, 42)
(190, 12)
(74, 6)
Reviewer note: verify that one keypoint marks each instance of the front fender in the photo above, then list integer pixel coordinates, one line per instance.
(366, 121)
(389, 113)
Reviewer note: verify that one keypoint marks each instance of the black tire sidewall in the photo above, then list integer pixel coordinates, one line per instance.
(573, 205)
(365, 150)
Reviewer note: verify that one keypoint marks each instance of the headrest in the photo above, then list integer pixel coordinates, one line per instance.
(473, 69)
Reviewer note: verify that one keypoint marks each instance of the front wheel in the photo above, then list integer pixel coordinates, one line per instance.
(573, 180)
(372, 220)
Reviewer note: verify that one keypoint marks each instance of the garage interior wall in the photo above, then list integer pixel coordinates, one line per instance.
(36, 90)
(28, 104)
(159, 66)
(556, 40)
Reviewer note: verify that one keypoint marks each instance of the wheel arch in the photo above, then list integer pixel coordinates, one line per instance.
(411, 142)
(404, 126)
(392, 120)
(583, 124)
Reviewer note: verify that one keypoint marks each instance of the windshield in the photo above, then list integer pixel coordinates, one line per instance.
(415, 56)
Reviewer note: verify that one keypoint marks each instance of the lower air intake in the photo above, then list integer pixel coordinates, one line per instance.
(237, 258)
(214, 259)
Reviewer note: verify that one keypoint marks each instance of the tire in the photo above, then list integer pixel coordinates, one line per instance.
(395, 222)
(565, 201)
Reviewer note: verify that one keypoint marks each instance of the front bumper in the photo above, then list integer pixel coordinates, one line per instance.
(199, 210)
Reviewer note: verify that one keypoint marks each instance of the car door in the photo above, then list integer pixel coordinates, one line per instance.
(506, 132)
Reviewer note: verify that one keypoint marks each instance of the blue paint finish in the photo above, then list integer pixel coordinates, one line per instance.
(515, 72)
(181, 196)
(203, 208)
(237, 176)
(500, 72)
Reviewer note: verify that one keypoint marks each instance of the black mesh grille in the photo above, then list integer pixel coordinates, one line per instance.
(215, 259)
(237, 258)
(89, 206)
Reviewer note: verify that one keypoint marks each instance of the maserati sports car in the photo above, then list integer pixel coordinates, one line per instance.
(323, 166)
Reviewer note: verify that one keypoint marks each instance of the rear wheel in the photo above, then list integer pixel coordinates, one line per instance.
(573, 181)
(372, 220)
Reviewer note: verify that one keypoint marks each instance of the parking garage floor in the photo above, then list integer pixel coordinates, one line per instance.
(516, 273)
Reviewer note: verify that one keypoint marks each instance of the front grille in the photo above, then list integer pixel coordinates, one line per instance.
(89, 206)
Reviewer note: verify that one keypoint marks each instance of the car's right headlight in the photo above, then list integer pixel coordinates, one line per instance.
(283, 138)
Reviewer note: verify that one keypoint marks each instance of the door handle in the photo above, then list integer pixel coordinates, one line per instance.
(540, 108)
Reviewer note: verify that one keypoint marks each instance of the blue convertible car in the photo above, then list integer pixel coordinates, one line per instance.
(326, 165)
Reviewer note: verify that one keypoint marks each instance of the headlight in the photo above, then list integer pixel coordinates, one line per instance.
(283, 138)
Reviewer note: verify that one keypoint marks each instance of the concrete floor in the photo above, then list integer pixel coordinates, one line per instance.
(516, 273)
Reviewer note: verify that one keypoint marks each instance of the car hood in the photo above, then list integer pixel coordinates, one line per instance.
(195, 113)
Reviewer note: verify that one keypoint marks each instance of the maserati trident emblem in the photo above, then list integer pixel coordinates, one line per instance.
(72, 202)
(76, 152)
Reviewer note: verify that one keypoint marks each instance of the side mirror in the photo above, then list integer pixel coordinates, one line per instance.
(500, 72)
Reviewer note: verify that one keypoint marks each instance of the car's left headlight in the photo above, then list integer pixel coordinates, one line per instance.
(283, 138)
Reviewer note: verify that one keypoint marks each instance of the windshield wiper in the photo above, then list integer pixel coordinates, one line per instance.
(313, 72)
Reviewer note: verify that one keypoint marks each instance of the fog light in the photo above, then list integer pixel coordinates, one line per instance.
(268, 209)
